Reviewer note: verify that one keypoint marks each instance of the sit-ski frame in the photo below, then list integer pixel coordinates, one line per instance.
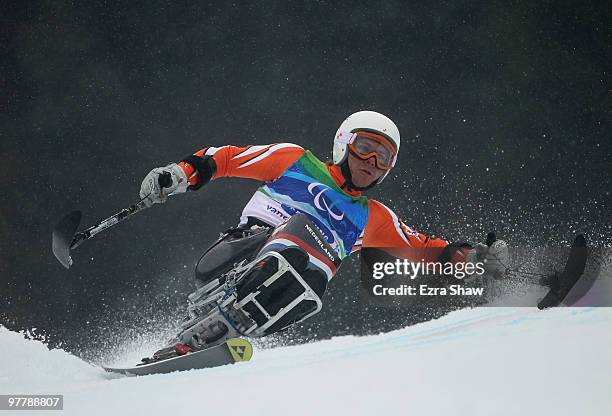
(223, 295)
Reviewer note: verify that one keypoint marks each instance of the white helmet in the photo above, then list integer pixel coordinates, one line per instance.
(370, 121)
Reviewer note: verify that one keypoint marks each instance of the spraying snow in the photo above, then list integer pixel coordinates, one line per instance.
(485, 361)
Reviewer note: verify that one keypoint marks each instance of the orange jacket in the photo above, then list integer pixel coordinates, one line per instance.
(384, 229)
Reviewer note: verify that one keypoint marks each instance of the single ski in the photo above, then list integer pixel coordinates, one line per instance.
(560, 284)
(231, 351)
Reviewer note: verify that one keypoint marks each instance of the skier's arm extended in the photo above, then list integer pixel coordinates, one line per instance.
(386, 231)
(264, 163)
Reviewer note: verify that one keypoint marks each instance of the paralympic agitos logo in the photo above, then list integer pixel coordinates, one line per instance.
(321, 201)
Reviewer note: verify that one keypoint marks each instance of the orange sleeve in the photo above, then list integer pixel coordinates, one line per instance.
(264, 163)
(386, 231)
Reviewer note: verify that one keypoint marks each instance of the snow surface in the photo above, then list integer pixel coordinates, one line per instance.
(486, 361)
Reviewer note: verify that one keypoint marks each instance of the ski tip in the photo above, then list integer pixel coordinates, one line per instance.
(121, 371)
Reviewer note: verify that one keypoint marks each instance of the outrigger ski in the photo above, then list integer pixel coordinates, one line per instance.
(561, 284)
(231, 351)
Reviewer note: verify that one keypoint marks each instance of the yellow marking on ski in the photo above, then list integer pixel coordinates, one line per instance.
(240, 349)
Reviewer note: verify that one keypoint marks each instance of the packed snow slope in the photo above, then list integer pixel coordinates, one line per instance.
(501, 361)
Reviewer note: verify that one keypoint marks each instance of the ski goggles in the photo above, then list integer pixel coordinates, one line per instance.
(364, 145)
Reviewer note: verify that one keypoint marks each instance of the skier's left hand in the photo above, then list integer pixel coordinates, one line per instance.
(494, 254)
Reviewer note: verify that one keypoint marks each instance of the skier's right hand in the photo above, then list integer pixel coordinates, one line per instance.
(161, 182)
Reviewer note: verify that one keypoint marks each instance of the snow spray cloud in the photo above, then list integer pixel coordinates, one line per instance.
(543, 277)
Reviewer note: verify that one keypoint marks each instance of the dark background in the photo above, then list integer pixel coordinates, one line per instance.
(504, 109)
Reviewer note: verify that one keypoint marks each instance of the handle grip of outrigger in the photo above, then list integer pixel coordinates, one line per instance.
(65, 236)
